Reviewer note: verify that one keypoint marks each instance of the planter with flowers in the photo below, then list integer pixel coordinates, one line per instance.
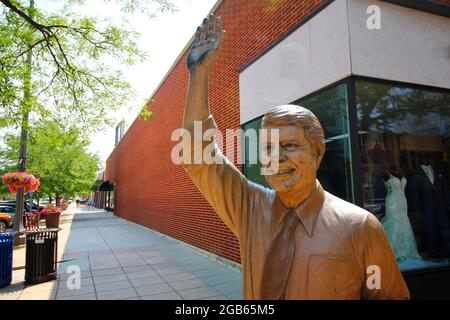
(51, 214)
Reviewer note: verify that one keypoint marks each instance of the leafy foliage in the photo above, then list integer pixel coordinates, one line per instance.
(72, 81)
(145, 114)
(385, 108)
(58, 157)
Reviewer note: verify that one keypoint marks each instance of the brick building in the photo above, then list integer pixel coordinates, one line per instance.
(368, 84)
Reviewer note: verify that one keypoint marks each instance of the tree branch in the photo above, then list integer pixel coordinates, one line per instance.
(27, 18)
(27, 50)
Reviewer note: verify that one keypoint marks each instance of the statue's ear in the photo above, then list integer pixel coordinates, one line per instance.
(320, 153)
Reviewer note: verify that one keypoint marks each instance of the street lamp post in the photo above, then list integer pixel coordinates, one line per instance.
(19, 237)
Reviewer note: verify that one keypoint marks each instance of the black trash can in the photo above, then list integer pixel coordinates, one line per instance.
(6, 254)
(41, 255)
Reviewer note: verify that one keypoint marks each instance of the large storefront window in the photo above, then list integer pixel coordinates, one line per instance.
(404, 135)
(252, 171)
(335, 173)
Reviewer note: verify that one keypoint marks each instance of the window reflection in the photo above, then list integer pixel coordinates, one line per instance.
(252, 171)
(404, 135)
(330, 107)
(335, 173)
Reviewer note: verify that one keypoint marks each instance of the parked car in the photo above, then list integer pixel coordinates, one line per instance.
(26, 204)
(8, 209)
(7, 202)
(11, 211)
(8, 205)
(6, 218)
(34, 206)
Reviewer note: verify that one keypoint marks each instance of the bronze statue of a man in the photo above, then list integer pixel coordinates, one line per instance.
(297, 241)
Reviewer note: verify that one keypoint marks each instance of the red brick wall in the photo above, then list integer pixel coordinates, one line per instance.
(150, 189)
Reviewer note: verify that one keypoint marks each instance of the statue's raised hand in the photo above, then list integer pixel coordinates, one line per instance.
(206, 46)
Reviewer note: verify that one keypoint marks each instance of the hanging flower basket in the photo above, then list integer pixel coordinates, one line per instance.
(16, 180)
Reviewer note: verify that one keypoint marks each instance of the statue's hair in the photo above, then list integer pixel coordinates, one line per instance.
(297, 116)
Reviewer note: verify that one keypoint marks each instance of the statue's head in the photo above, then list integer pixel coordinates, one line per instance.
(301, 147)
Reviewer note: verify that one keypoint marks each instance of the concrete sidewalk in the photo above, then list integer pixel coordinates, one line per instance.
(119, 259)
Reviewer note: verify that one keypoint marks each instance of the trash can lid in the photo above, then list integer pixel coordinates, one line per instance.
(42, 230)
(8, 234)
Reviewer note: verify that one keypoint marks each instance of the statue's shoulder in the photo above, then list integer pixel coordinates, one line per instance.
(258, 190)
(260, 200)
(343, 211)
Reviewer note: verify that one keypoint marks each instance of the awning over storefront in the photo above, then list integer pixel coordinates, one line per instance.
(106, 186)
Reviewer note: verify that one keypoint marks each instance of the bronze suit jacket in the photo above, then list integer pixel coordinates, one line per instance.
(339, 247)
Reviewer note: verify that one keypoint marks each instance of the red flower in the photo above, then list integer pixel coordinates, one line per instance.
(43, 213)
(16, 180)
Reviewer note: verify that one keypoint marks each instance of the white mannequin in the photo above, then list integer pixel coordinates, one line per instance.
(396, 222)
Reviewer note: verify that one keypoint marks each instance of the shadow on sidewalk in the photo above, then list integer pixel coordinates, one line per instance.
(102, 256)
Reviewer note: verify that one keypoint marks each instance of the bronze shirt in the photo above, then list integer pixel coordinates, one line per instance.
(337, 243)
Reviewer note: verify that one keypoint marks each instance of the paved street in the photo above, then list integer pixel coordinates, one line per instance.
(122, 260)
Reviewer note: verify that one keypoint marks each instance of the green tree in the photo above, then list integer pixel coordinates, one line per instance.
(58, 157)
(71, 80)
(6, 165)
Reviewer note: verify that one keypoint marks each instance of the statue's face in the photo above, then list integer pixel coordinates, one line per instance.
(298, 161)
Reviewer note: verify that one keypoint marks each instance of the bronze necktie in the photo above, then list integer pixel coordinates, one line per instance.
(279, 259)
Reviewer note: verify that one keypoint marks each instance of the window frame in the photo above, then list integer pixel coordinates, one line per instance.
(355, 146)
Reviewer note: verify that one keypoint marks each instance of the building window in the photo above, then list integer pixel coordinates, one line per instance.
(252, 171)
(404, 139)
(335, 172)
(331, 108)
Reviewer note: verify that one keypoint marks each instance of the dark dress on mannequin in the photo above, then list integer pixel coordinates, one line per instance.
(431, 201)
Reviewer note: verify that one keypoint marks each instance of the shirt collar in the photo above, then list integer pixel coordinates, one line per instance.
(307, 211)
